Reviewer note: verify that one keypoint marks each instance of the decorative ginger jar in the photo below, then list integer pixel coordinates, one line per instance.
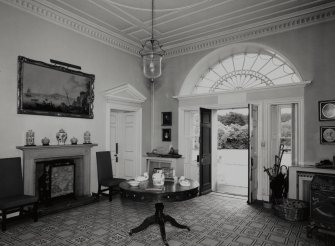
(45, 141)
(30, 138)
(87, 137)
(74, 140)
(158, 178)
(61, 136)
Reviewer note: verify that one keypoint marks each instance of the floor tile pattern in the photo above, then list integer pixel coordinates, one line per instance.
(214, 220)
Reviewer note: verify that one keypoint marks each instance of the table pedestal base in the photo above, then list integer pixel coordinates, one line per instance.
(158, 218)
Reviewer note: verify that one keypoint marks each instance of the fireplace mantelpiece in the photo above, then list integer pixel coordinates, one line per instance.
(33, 154)
(302, 175)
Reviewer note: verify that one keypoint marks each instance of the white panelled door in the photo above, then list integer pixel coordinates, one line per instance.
(253, 153)
(122, 146)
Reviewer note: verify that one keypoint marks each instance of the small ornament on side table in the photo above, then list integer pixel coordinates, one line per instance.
(87, 137)
(158, 177)
(30, 138)
(61, 136)
(45, 141)
(74, 141)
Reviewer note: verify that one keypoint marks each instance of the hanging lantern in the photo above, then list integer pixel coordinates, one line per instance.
(152, 54)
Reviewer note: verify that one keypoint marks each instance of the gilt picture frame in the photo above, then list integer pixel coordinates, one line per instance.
(327, 110)
(46, 89)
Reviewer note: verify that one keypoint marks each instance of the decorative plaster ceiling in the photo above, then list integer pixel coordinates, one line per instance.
(182, 26)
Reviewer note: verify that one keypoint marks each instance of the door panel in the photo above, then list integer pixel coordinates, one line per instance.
(123, 150)
(253, 156)
(205, 168)
(129, 147)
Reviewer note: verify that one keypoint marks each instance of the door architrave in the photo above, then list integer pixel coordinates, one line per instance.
(126, 98)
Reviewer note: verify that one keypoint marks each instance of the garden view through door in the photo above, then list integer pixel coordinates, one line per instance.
(232, 151)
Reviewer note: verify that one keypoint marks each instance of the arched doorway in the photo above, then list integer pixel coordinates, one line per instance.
(233, 77)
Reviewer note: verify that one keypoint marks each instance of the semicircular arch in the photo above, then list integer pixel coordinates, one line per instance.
(226, 80)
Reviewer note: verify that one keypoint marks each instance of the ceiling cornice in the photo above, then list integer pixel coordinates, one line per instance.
(286, 23)
(75, 24)
(253, 32)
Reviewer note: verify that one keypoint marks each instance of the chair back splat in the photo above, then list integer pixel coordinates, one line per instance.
(11, 182)
(12, 197)
(104, 163)
(105, 174)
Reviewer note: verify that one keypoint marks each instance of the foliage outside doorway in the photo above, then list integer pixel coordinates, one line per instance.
(232, 151)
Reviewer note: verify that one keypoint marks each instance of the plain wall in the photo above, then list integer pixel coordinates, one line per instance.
(311, 50)
(24, 34)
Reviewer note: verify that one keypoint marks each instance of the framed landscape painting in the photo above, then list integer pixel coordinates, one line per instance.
(45, 89)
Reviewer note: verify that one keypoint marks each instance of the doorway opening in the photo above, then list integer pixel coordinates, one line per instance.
(232, 151)
(122, 143)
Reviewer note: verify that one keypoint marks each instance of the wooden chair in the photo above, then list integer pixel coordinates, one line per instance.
(105, 174)
(12, 198)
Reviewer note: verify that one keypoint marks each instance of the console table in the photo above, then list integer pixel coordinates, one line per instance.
(169, 192)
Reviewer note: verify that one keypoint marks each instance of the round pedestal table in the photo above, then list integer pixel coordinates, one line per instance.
(169, 192)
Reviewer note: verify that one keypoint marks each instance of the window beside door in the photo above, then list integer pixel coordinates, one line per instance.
(284, 131)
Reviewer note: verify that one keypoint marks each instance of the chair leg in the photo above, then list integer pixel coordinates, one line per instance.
(110, 193)
(99, 189)
(3, 221)
(35, 212)
(21, 211)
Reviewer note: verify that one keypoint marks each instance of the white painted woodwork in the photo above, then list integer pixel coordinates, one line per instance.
(123, 134)
(81, 153)
(295, 184)
(125, 127)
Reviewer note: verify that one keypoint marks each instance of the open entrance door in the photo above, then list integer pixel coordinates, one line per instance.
(205, 167)
(253, 150)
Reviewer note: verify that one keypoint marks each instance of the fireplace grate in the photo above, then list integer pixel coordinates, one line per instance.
(57, 180)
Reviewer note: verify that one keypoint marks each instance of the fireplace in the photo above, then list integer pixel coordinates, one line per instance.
(323, 202)
(80, 154)
(56, 179)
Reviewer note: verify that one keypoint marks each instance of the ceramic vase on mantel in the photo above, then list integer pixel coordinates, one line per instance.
(74, 141)
(87, 137)
(45, 141)
(30, 138)
(61, 136)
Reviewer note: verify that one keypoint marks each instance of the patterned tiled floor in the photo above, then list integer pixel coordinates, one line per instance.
(214, 220)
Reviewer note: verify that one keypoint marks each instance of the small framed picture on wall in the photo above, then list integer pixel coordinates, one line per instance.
(327, 134)
(166, 118)
(166, 135)
(327, 110)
